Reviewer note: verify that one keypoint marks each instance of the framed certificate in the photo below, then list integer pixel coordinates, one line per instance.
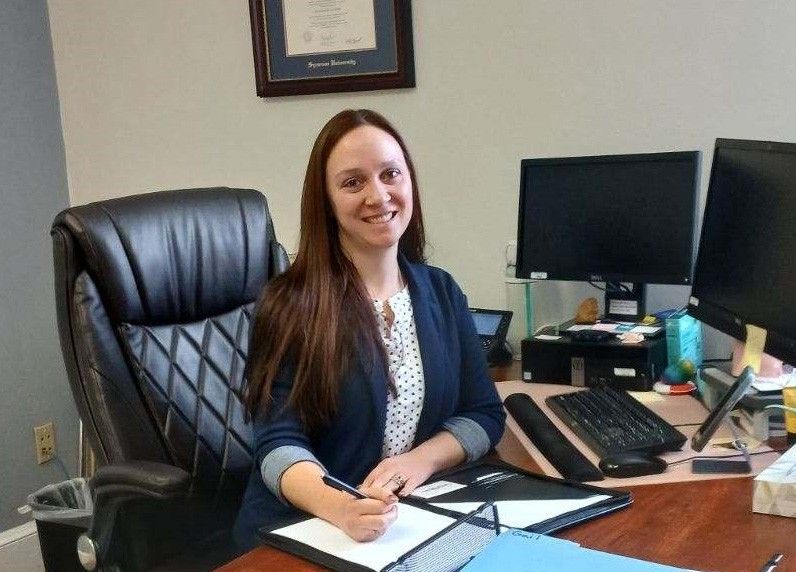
(325, 46)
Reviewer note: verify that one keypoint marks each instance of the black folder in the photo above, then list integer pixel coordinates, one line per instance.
(451, 548)
(523, 485)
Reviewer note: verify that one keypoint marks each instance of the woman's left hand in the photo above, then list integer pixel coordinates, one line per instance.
(401, 474)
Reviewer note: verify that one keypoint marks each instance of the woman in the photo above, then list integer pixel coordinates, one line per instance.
(364, 362)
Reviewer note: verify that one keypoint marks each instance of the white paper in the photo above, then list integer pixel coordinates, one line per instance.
(578, 327)
(646, 397)
(413, 526)
(773, 383)
(646, 329)
(547, 337)
(522, 513)
(328, 26)
(437, 488)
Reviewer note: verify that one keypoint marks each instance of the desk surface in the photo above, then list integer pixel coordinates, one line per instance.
(703, 525)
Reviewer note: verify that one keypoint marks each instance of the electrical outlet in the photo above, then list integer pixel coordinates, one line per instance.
(45, 442)
(510, 252)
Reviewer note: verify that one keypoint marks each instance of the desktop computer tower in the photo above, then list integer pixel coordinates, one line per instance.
(558, 359)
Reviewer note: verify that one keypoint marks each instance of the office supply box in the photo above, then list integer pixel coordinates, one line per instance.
(558, 359)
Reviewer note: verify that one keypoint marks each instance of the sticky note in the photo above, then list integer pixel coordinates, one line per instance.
(753, 349)
(646, 397)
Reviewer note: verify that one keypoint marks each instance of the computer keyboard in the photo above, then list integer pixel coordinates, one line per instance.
(562, 454)
(611, 421)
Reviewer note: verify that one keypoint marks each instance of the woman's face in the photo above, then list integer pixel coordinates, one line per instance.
(370, 189)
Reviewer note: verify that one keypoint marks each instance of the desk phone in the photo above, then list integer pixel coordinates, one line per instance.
(492, 326)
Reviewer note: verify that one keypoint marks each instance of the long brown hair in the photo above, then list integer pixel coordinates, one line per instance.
(317, 316)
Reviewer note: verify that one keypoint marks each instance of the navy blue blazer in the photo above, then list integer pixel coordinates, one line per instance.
(457, 383)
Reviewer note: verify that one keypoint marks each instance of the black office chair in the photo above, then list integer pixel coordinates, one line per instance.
(154, 296)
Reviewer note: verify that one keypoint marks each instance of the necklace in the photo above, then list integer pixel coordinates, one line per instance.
(391, 334)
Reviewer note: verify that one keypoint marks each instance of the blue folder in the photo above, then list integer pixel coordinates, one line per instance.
(520, 550)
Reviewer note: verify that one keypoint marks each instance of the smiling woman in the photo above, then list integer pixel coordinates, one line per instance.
(364, 362)
(370, 189)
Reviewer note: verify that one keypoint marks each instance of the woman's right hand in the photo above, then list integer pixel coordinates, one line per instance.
(365, 520)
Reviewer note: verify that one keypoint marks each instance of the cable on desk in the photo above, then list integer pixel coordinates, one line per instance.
(727, 457)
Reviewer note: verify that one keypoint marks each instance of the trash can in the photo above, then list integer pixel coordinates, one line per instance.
(62, 512)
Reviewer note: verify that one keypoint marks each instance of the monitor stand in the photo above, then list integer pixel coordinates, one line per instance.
(624, 303)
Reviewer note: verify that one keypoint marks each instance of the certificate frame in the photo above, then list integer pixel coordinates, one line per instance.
(386, 63)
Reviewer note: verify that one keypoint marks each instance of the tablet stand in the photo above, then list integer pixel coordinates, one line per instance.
(702, 466)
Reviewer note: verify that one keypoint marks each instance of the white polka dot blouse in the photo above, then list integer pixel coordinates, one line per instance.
(406, 368)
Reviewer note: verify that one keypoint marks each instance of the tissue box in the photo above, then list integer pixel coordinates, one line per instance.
(775, 487)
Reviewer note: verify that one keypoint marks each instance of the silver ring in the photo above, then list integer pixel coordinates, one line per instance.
(398, 480)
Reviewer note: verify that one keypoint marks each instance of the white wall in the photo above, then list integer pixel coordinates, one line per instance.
(161, 95)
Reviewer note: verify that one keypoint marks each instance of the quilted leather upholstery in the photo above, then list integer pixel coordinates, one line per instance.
(150, 260)
(132, 269)
(191, 377)
(154, 297)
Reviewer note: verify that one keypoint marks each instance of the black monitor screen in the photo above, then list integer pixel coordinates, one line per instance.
(627, 218)
(745, 271)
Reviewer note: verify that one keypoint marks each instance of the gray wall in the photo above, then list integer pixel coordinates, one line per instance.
(33, 188)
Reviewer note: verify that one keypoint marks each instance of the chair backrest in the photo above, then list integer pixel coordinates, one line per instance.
(155, 294)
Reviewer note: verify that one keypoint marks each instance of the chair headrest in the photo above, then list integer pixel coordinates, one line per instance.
(174, 256)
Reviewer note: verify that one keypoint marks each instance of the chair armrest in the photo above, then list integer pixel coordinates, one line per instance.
(146, 490)
(140, 478)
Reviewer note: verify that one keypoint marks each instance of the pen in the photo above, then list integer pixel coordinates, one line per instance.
(341, 486)
(772, 562)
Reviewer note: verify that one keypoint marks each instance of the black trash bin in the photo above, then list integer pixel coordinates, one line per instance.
(62, 512)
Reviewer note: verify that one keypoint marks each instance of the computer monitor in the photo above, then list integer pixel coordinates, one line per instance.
(616, 219)
(746, 270)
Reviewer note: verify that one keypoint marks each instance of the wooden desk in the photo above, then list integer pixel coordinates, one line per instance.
(703, 525)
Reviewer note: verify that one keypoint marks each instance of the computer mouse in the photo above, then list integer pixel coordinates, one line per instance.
(631, 464)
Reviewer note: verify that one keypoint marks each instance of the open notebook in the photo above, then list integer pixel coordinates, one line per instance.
(419, 540)
(451, 519)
